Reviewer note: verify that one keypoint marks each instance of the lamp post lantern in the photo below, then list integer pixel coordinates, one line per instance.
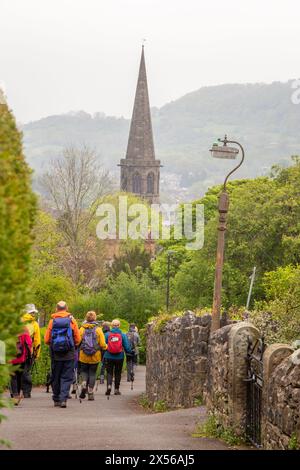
(226, 152)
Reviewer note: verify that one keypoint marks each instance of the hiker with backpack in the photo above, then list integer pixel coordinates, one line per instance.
(132, 359)
(105, 329)
(23, 357)
(62, 335)
(117, 343)
(92, 341)
(34, 331)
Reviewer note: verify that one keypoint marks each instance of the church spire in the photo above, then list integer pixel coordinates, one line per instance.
(140, 171)
(140, 142)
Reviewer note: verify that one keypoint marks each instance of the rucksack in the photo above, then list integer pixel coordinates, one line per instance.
(132, 338)
(22, 348)
(62, 339)
(89, 343)
(114, 343)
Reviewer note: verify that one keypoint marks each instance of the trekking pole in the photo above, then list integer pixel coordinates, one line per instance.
(132, 371)
(48, 381)
(97, 382)
(48, 373)
(77, 395)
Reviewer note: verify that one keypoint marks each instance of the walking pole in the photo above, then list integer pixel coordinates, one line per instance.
(48, 381)
(132, 371)
(77, 395)
(252, 277)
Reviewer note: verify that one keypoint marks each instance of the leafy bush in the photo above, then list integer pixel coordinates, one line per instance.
(17, 210)
(279, 316)
(86, 302)
(42, 365)
(132, 296)
(47, 289)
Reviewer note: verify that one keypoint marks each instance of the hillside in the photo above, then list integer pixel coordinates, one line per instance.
(261, 116)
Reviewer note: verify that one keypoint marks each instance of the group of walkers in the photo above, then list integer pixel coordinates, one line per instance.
(75, 352)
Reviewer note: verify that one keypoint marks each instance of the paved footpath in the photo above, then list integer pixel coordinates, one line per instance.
(114, 424)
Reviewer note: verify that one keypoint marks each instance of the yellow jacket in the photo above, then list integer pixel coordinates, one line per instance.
(34, 331)
(95, 358)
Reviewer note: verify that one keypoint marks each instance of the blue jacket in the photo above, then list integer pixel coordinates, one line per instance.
(125, 342)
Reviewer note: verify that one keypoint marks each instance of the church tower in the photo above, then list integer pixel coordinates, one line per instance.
(140, 171)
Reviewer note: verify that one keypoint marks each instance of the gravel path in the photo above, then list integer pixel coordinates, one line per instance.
(115, 424)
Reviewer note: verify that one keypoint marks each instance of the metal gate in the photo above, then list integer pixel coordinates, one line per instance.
(254, 390)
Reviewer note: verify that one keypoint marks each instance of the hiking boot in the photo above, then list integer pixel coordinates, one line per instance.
(101, 379)
(57, 403)
(83, 392)
(108, 390)
(16, 400)
(91, 396)
(63, 404)
(117, 392)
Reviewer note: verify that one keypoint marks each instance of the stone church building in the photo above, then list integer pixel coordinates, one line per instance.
(140, 171)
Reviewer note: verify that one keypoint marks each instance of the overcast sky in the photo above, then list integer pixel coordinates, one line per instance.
(63, 55)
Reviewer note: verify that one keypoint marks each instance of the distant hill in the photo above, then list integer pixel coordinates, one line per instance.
(261, 116)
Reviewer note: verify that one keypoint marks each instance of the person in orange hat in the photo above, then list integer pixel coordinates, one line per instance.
(63, 336)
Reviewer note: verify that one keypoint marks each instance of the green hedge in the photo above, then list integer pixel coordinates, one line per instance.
(17, 211)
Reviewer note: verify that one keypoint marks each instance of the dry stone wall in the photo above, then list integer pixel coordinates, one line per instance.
(225, 387)
(177, 360)
(186, 362)
(281, 419)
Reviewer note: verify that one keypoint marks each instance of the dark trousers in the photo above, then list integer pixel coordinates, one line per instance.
(62, 378)
(114, 369)
(27, 379)
(88, 373)
(131, 362)
(16, 381)
(103, 367)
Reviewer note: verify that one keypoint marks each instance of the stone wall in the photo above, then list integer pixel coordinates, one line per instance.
(281, 403)
(185, 362)
(177, 360)
(225, 387)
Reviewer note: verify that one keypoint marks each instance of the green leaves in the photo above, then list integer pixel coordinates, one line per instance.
(17, 210)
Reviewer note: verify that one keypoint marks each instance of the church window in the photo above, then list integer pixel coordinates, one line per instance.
(150, 183)
(137, 184)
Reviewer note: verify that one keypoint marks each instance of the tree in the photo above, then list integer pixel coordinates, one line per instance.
(263, 231)
(17, 210)
(132, 256)
(132, 296)
(47, 246)
(75, 183)
(49, 288)
(279, 316)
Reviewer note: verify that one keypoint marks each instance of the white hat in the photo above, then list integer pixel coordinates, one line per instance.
(30, 308)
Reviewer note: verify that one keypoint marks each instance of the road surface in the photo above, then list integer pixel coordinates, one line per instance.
(115, 424)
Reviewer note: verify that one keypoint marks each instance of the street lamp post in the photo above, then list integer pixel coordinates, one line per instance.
(224, 152)
(169, 254)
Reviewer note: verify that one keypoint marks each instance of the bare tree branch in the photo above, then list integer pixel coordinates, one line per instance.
(75, 183)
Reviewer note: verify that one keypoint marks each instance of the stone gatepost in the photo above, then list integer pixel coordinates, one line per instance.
(225, 388)
(274, 355)
(237, 398)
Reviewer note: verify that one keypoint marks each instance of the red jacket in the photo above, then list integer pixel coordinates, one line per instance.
(24, 345)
